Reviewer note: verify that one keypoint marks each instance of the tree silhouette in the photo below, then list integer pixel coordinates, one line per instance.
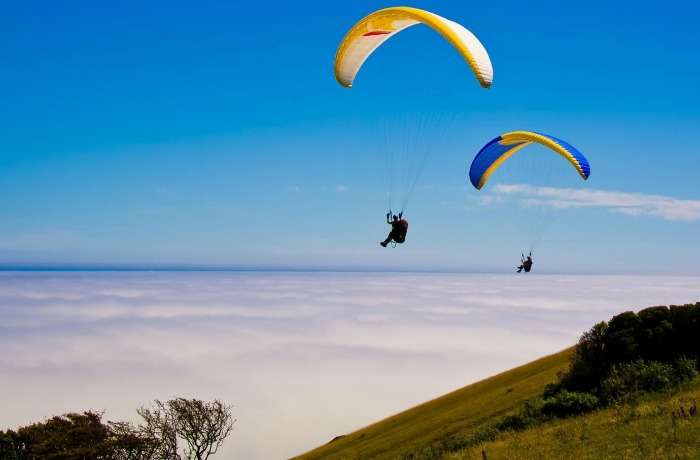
(203, 426)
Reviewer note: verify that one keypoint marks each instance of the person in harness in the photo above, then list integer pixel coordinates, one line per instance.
(399, 228)
(525, 263)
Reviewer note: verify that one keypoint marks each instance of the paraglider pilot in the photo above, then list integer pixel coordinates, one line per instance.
(399, 228)
(525, 263)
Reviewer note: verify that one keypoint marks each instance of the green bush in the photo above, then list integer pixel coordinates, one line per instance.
(685, 369)
(528, 415)
(516, 422)
(8, 449)
(551, 389)
(655, 334)
(484, 434)
(569, 403)
(629, 379)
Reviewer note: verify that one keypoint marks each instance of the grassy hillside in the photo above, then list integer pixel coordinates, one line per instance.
(643, 430)
(458, 413)
(648, 359)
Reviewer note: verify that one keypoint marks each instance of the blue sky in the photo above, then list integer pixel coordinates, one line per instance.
(214, 134)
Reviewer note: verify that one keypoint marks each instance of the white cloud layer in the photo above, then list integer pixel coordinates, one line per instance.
(635, 204)
(303, 356)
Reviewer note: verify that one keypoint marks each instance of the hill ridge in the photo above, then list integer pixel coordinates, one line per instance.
(458, 412)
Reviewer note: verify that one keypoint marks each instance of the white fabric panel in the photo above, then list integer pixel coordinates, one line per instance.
(361, 48)
(481, 57)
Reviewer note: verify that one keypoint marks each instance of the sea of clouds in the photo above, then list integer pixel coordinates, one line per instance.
(303, 357)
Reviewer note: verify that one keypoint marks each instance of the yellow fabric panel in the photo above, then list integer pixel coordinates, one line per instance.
(393, 20)
(527, 136)
(497, 164)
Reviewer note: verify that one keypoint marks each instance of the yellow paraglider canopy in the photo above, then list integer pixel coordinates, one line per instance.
(372, 31)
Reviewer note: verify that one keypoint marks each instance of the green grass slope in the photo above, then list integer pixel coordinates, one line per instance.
(644, 430)
(461, 412)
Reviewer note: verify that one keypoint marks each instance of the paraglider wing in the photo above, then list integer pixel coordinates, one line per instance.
(496, 152)
(373, 30)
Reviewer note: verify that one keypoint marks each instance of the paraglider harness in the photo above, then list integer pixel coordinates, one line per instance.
(525, 263)
(398, 228)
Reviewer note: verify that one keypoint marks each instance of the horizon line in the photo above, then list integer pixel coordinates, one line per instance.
(58, 267)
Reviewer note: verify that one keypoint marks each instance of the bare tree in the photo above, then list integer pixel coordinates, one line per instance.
(203, 426)
(131, 442)
(160, 425)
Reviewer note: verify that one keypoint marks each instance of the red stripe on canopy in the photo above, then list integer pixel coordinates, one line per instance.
(376, 32)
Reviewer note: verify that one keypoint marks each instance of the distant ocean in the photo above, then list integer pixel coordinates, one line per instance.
(303, 356)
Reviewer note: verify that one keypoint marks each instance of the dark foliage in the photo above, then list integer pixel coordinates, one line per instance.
(528, 415)
(629, 379)
(74, 437)
(655, 334)
(568, 403)
(203, 426)
(8, 442)
(685, 369)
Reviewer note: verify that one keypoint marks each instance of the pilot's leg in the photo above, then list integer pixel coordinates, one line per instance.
(387, 240)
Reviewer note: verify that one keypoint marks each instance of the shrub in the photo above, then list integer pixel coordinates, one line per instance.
(629, 379)
(528, 415)
(551, 389)
(486, 434)
(655, 334)
(8, 448)
(589, 362)
(569, 403)
(685, 369)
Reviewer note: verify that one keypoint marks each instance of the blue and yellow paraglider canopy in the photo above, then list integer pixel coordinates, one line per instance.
(496, 152)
